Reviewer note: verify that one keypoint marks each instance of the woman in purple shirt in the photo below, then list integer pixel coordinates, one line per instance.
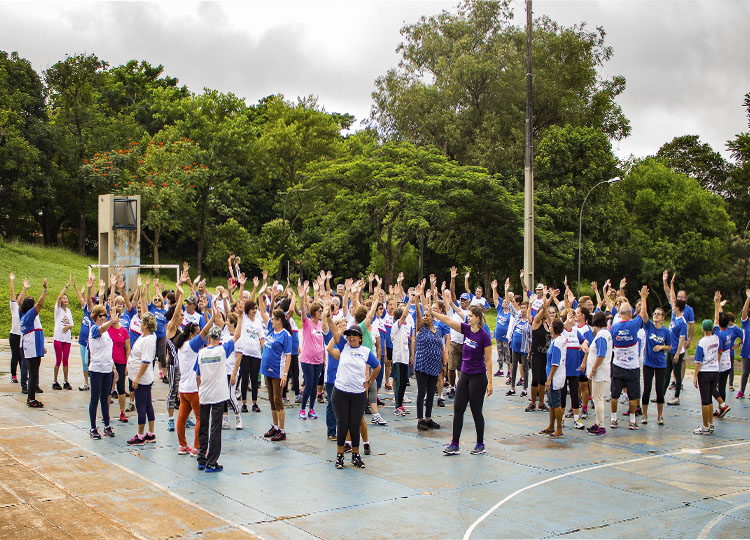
(476, 375)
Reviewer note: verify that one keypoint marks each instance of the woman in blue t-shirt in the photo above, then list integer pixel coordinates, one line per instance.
(658, 342)
(428, 363)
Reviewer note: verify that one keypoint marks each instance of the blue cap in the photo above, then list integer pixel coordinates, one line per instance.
(465, 296)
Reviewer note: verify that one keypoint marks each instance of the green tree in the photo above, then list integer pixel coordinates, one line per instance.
(686, 154)
(738, 184)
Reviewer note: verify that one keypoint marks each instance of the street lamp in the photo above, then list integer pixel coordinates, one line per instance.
(580, 226)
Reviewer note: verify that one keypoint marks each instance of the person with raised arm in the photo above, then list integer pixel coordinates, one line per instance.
(658, 341)
(102, 371)
(541, 336)
(428, 360)
(251, 346)
(501, 328)
(174, 317)
(745, 350)
(555, 379)
(401, 355)
(313, 348)
(676, 356)
(33, 342)
(520, 340)
(475, 382)
(141, 375)
(477, 298)
(707, 370)
(14, 339)
(598, 367)
(725, 359)
(118, 334)
(62, 336)
(85, 297)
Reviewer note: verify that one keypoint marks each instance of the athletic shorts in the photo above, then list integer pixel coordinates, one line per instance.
(454, 356)
(707, 381)
(555, 398)
(630, 379)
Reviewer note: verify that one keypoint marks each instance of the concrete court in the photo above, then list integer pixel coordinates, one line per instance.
(55, 481)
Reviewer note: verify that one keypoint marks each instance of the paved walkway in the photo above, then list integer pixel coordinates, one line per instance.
(660, 481)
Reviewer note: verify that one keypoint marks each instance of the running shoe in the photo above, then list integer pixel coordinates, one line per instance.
(271, 432)
(94, 434)
(113, 395)
(214, 468)
(633, 425)
(407, 400)
(638, 411)
(716, 412)
(183, 450)
(237, 422)
(530, 408)
(255, 407)
(14, 379)
(660, 421)
(478, 449)
(510, 393)
(381, 403)
(644, 419)
(237, 393)
(520, 382)
(723, 410)
(368, 410)
(34, 404)
(451, 450)
(731, 388)
(56, 386)
(66, 386)
(671, 386)
(543, 407)
(703, 430)
(136, 441)
(569, 414)
(129, 408)
(39, 390)
(312, 414)
(602, 431)
(193, 452)
(404, 411)
(189, 423)
(347, 447)
(150, 438)
(441, 402)
(578, 424)
(499, 373)
(653, 399)
(524, 393)
(451, 393)
(225, 422)
(593, 430)
(321, 400)
(108, 431)
(302, 414)
(201, 466)
(508, 381)
(339, 461)
(367, 448)
(624, 399)
(378, 420)
(739, 395)
(280, 436)
(674, 401)
(422, 425)
(244, 408)
(711, 427)
(84, 388)
(397, 411)
(584, 413)
(432, 424)
(388, 386)
(613, 424)
(357, 461)
(170, 424)
(332, 437)
(298, 398)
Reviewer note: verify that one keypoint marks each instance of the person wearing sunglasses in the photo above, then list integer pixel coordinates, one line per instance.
(101, 369)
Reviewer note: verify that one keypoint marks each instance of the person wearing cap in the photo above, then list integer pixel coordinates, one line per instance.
(349, 391)
(721, 322)
(476, 299)
(213, 392)
(535, 299)
(191, 314)
(707, 371)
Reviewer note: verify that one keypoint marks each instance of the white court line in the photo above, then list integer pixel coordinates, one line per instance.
(711, 524)
(144, 479)
(484, 516)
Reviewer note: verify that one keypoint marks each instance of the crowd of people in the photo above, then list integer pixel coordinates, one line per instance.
(361, 340)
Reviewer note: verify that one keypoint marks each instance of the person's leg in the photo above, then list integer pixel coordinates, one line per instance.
(575, 401)
(65, 358)
(204, 422)
(340, 404)
(182, 416)
(294, 374)
(232, 401)
(525, 368)
(330, 415)
(670, 369)
(161, 351)
(477, 389)
(254, 378)
(564, 392)
(104, 393)
(583, 392)
(678, 375)
(244, 377)
(96, 383)
(149, 408)
(356, 416)
(661, 382)
(430, 387)
(24, 370)
(421, 390)
(459, 406)
(317, 371)
(648, 376)
(499, 347)
(141, 407)
(745, 374)
(308, 370)
(14, 340)
(598, 388)
(34, 376)
(57, 345)
(723, 378)
(173, 394)
(388, 365)
(272, 401)
(214, 437)
(514, 370)
(195, 406)
(403, 373)
(731, 373)
(85, 363)
(280, 412)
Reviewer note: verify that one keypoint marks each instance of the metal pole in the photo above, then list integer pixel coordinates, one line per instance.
(528, 212)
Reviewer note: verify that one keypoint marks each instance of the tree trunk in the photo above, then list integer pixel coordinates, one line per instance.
(486, 276)
(420, 239)
(154, 245)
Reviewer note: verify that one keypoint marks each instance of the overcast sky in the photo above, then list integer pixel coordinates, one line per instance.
(686, 62)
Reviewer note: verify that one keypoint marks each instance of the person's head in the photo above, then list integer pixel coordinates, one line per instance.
(189, 332)
(380, 310)
(439, 306)
(625, 311)
(427, 317)
(679, 306)
(340, 323)
(279, 320)
(682, 295)
(251, 308)
(214, 334)
(232, 320)
(148, 323)
(190, 304)
(337, 300)
(353, 335)
(390, 306)
(524, 310)
(158, 301)
(730, 316)
(285, 303)
(708, 326)
(316, 311)
(582, 315)
(360, 313)
(658, 315)
(551, 312)
(64, 301)
(340, 290)
(464, 300)
(478, 292)
(202, 303)
(586, 302)
(398, 313)
(539, 289)
(599, 320)
(557, 328)
(120, 304)
(723, 320)
(99, 314)
(201, 288)
(476, 316)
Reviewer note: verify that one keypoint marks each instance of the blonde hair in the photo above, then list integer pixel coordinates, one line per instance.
(148, 321)
(97, 310)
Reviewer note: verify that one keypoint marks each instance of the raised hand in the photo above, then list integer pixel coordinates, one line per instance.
(644, 291)
(242, 279)
(523, 274)
(454, 272)
(468, 274)
(329, 275)
(665, 276)
(12, 276)
(255, 281)
(717, 297)
(400, 277)
(594, 286)
(265, 275)
(493, 284)
(507, 284)
(747, 292)
(70, 278)
(370, 277)
(44, 284)
(623, 283)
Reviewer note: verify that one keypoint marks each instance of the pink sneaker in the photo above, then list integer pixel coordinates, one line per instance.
(739, 395)
(183, 450)
(311, 414)
(193, 452)
(302, 414)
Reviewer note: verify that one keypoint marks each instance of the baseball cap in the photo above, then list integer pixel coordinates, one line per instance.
(465, 296)
(353, 330)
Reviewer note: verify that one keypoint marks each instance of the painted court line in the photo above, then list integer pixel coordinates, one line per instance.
(489, 512)
(711, 524)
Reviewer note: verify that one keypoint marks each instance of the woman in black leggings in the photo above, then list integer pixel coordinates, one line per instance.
(540, 340)
(251, 345)
(33, 342)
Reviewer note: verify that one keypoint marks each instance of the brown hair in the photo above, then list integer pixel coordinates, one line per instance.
(479, 313)
(315, 307)
(148, 321)
(97, 310)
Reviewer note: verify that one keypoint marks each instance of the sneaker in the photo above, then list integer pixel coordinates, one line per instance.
(578, 424)
(499, 373)
(298, 398)
(432, 424)
(569, 414)
(347, 447)
(613, 424)
(731, 388)
(321, 400)
(339, 461)
(633, 425)
(183, 450)
(357, 461)
(66, 386)
(404, 410)
(136, 441)
(660, 421)
(520, 382)
(129, 408)
(271, 432)
(368, 410)
(703, 430)
(451, 393)
(35, 404)
(39, 390)
(189, 423)
(441, 402)
(312, 414)
(397, 411)
(530, 408)
(723, 410)
(593, 429)
(451, 450)
(388, 386)
(510, 393)
(14, 379)
(244, 408)
(543, 407)
(56, 386)
(367, 448)
(653, 400)
(214, 468)
(478, 449)
(508, 381)
(225, 422)
(170, 424)
(716, 412)
(150, 438)
(584, 414)
(302, 415)
(644, 419)
(378, 420)
(280, 436)
(237, 422)
(108, 431)
(711, 427)
(624, 399)
(123, 418)
(422, 425)
(113, 395)
(674, 401)
(671, 386)
(255, 407)
(524, 393)
(201, 466)
(94, 434)
(332, 437)
(638, 411)
(407, 400)
(739, 395)
(161, 374)
(84, 388)
(381, 403)
(193, 452)
(602, 431)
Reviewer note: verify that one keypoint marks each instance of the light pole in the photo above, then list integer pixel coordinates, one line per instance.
(580, 226)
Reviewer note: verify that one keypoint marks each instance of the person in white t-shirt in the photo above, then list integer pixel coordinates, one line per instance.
(401, 357)
(251, 346)
(101, 369)
(141, 373)
(16, 358)
(62, 336)
(597, 369)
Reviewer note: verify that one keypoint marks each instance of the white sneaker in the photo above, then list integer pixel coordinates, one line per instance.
(407, 400)
(225, 423)
(674, 401)
(379, 420)
(237, 421)
(578, 424)
(703, 430)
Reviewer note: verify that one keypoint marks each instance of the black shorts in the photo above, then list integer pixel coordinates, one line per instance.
(707, 381)
(630, 379)
(582, 378)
